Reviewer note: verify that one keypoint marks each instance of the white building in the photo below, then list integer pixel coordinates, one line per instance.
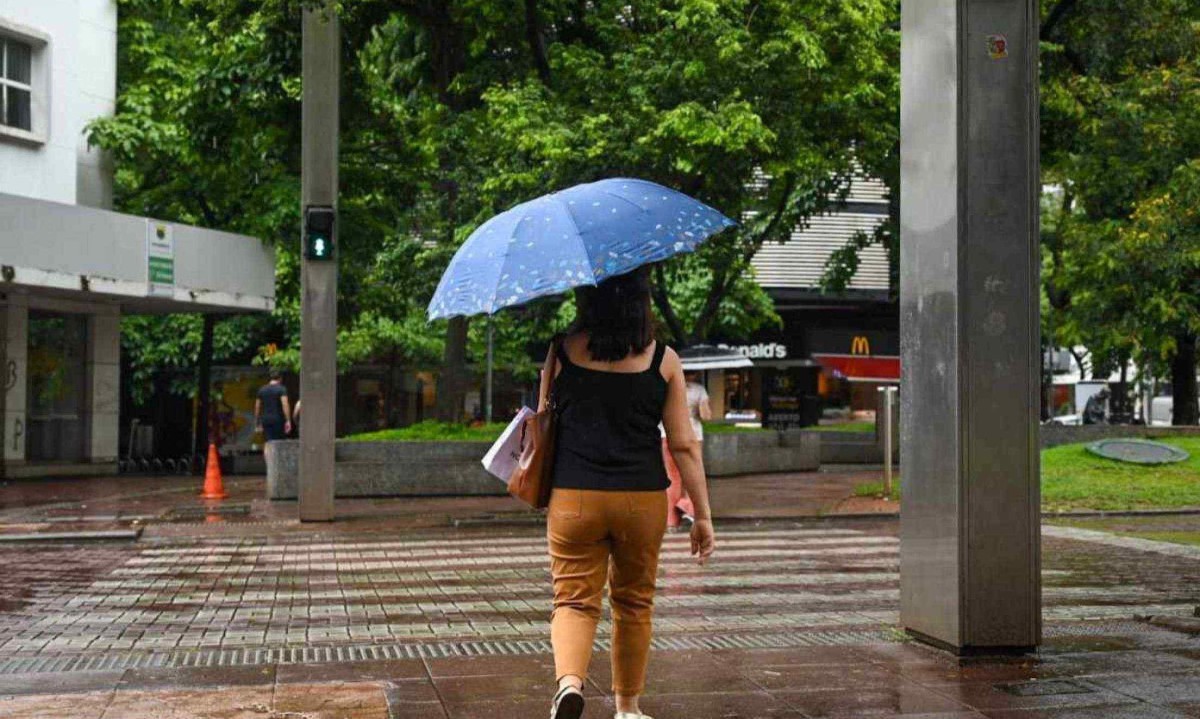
(68, 266)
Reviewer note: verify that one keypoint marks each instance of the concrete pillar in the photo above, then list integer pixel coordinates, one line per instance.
(103, 386)
(16, 337)
(321, 50)
(969, 553)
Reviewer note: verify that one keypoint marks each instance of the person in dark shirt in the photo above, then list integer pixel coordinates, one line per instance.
(272, 415)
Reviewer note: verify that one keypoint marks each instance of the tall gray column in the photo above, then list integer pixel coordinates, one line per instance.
(103, 385)
(318, 309)
(969, 551)
(15, 337)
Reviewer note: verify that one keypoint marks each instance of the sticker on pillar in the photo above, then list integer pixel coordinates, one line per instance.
(160, 259)
(997, 47)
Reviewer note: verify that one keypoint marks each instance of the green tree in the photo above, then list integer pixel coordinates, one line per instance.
(761, 109)
(206, 132)
(453, 111)
(1121, 93)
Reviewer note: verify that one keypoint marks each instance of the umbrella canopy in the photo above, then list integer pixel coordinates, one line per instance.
(578, 236)
(702, 357)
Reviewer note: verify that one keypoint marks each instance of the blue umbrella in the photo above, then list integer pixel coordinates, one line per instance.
(578, 236)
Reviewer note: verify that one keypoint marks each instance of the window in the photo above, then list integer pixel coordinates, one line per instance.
(16, 84)
(24, 84)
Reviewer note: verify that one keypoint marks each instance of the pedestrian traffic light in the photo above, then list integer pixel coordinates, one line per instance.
(318, 233)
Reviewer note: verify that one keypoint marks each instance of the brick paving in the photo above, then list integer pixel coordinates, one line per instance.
(393, 614)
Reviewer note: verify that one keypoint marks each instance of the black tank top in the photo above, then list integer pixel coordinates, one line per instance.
(608, 435)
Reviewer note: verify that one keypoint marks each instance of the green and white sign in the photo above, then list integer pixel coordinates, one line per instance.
(160, 259)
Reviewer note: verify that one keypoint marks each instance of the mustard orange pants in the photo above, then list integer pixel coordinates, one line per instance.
(597, 537)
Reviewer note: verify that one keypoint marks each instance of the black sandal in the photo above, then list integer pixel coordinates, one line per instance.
(568, 704)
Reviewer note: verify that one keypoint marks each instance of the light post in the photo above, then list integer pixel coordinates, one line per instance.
(487, 403)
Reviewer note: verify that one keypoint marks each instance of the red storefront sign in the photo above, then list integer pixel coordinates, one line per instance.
(870, 368)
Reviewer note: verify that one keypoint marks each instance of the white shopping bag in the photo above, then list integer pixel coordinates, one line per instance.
(505, 454)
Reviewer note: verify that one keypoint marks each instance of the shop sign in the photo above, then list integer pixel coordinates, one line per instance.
(860, 345)
(160, 259)
(762, 350)
(782, 400)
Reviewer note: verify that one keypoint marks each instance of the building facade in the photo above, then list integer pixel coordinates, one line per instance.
(834, 350)
(69, 267)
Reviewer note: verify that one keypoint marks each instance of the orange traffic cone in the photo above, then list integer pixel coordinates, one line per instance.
(213, 486)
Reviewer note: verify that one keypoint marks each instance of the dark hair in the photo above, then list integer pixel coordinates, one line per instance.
(616, 315)
(276, 374)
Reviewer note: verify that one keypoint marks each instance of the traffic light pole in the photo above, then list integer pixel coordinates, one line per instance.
(321, 53)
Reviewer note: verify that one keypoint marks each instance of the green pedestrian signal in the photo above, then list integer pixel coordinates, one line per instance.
(318, 233)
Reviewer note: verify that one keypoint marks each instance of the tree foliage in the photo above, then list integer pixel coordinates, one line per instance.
(1121, 134)
(453, 111)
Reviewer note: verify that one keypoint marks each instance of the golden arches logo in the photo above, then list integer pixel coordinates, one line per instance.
(860, 346)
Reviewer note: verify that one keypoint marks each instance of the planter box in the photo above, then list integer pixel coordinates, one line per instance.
(732, 453)
(429, 469)
(852, 448)
(391, 469)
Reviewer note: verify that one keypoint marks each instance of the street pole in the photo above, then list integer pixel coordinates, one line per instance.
(321, 49)
(487, 404)
(204, 392)
(889, 394)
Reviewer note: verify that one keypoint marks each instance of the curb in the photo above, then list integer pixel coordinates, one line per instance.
(98, 536)
(537, 519)
(1122, 513)
(1185, 625)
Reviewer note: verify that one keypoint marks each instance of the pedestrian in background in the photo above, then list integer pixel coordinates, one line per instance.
(679, 504)
(272, 416)
(608, 510)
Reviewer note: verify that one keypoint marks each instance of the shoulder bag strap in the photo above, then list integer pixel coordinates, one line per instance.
(552, 368)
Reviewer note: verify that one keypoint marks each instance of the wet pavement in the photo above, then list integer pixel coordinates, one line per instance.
(236, 610)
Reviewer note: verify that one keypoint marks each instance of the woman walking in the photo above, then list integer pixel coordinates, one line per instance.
(612, 386)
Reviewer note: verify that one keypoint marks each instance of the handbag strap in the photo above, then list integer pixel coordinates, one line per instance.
(552, 369)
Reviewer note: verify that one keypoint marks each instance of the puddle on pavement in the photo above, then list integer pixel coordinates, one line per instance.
(1071, 645)
(16, 600)
(206, 513)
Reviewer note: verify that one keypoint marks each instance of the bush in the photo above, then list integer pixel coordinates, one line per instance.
(434, 431)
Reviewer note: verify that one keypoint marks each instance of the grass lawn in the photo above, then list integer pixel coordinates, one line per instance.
(722, 428)
(875, 489)
(1072, 478)
(431, 430)
(845, 427)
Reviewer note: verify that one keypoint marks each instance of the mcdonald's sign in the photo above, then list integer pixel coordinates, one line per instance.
(860, 345)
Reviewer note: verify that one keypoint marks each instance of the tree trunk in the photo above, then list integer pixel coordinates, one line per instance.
(451, 389)
(1183, 381)
(658, 292)
(1121, 404)
(389, 391)
(1047, 384)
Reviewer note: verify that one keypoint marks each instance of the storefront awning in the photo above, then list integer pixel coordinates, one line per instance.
(861, 368)
(706, 357)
